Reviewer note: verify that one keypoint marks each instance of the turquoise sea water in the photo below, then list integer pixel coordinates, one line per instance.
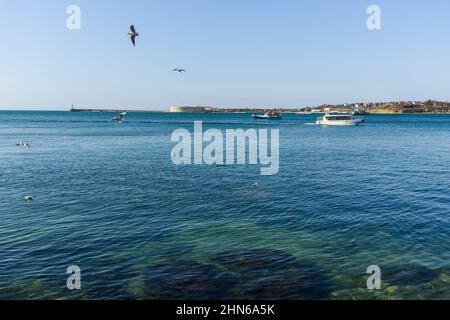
(108, 198)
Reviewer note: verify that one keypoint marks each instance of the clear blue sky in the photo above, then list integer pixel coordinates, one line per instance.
(248, 53)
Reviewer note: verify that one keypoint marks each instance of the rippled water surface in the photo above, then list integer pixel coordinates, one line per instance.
(108, 198)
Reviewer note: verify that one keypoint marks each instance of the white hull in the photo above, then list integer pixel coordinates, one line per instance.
(341, 123)
(267, 116)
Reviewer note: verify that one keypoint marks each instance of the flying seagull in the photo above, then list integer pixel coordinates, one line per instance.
(133, 34)
(179, 70)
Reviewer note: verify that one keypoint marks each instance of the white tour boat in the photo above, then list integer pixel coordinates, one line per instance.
(270, 115)
(120, 118)
(338, 120)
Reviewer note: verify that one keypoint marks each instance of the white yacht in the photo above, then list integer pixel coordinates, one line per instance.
(120, 118)
(338, 119)
(270, 115)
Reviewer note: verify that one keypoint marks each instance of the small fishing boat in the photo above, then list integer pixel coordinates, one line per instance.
(338, 120)
(268, 116)
(120, 118)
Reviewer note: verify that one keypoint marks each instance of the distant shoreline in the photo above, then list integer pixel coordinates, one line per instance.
(240, 112)
(229, 112)
(113, 110)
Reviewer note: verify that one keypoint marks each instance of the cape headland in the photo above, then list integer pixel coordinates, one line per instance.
(396, 107)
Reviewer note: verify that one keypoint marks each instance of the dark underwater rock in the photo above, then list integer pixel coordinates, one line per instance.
(186, 280)
(249, 274)
(408, 275)
(273, 274)
(105, 279)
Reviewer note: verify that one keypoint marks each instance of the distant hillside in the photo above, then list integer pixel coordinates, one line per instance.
(429, 106)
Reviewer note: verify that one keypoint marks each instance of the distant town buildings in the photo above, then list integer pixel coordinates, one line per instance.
(430, 106)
